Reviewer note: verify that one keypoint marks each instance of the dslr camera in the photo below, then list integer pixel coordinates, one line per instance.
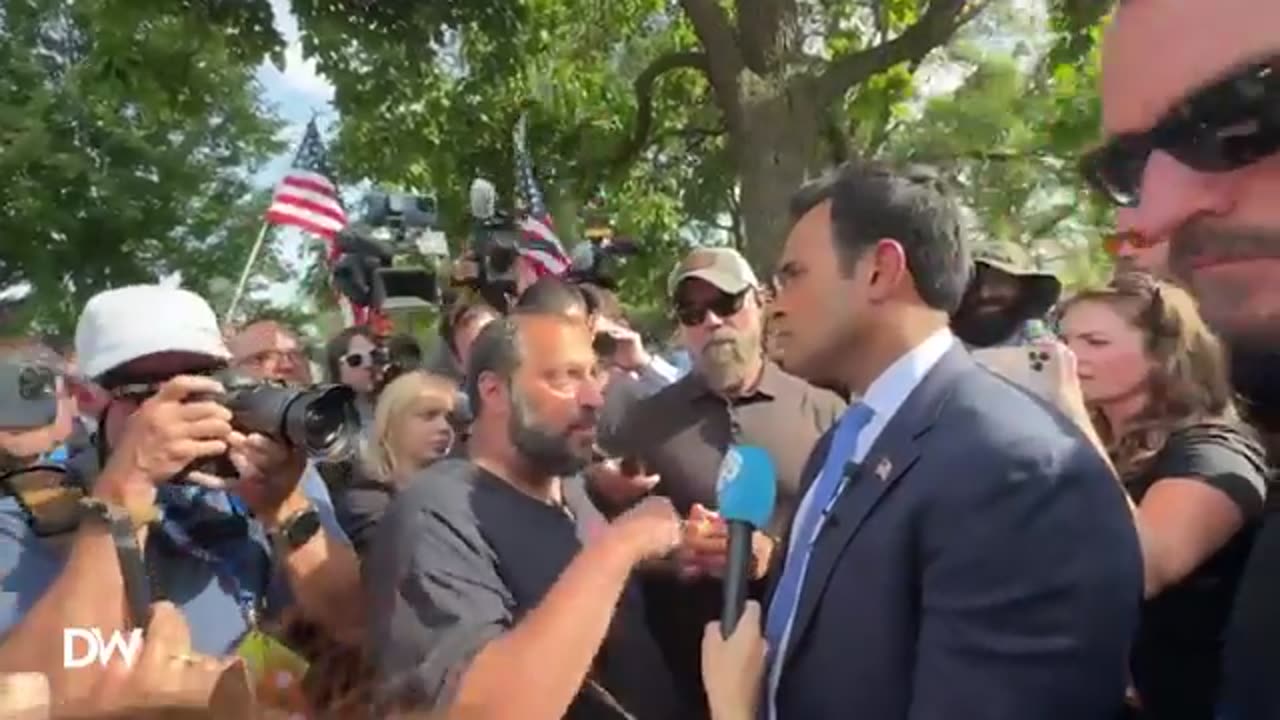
(321, 420)
(393, 257)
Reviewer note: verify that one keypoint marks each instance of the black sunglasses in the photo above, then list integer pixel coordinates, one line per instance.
(723, 305)
(1227, 125)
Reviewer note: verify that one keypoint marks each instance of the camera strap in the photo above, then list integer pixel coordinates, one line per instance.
(170, 523)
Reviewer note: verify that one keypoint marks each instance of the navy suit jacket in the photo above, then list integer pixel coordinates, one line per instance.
(981, 565)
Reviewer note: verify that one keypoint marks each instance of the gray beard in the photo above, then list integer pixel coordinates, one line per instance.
(724, 365)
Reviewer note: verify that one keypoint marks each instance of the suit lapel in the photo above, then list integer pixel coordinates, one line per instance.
(808, 474)
(891, 456)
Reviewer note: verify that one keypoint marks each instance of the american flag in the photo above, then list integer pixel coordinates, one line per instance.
(306, 197)
(541, 246)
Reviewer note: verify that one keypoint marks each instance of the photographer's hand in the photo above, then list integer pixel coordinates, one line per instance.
(269, 475)
(167, 433)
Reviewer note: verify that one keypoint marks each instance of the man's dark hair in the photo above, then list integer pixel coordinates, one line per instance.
(872, 201)
(602, 302)
(337, 347)
(461, 314)
(552, 296)
(497, 350)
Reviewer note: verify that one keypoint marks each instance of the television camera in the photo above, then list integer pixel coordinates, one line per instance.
(394, 256)
(491, 267)
(596, 260)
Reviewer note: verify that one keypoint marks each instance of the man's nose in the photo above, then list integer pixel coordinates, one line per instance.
(712, 320)
(1172, 194)
(591, 393)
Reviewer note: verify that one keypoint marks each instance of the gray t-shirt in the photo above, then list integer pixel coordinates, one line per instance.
(458, 559)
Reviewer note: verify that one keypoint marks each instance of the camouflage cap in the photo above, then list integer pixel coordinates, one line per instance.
(1040, 289)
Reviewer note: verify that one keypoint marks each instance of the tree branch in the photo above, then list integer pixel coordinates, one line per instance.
(760, 27)
(724, 56)
(644, 85)
(933, 29)
(839, 144)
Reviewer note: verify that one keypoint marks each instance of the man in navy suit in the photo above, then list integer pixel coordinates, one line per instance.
(961, 551)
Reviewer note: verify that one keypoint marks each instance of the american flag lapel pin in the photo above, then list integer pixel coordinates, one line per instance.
(883, 468)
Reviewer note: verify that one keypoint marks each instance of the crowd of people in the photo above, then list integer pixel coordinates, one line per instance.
(995, 499)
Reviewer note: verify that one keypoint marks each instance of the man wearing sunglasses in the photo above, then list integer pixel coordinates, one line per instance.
(227, 551)
(1191, 113)
(733, 395)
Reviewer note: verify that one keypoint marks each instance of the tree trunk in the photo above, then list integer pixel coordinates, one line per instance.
(773, 154)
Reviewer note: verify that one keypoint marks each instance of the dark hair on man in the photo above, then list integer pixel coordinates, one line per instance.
(553, 296)
(337, 347)
(498, 349)
(602, 302)
(461, 314)
(873, 201)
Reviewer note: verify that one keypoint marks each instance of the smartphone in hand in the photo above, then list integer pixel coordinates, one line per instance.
(1044, 368)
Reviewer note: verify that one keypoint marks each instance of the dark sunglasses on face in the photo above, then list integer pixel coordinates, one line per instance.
(723, 305)
(1225, 126)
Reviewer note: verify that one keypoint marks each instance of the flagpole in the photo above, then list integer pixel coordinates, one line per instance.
(262, 236)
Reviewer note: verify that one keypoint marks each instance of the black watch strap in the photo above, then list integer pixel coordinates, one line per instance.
(133, 566)
(298, 529)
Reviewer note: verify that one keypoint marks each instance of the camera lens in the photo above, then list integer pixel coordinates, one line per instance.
(328, 422)
(35, 383)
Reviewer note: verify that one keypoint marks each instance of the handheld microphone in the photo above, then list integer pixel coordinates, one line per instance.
(484, 199)
(746, 492)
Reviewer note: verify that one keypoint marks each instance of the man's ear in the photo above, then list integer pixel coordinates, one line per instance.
(493, 389)
(888, 269)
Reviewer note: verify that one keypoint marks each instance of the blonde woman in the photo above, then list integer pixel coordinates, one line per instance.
(411, 430)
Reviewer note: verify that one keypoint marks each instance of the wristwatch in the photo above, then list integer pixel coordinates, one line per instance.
(297, 529)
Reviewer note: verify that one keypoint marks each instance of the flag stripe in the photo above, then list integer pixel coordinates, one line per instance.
(317, 204)
(318, 224)
(548, 262)
(310, 181)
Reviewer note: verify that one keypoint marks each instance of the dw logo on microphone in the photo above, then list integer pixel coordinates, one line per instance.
(729, 468)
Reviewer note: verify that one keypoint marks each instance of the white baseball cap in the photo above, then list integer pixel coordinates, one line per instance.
(121, 325)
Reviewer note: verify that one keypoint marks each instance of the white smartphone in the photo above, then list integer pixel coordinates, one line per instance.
(1037, 368)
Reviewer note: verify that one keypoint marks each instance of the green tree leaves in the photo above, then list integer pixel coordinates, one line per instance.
(127, 137)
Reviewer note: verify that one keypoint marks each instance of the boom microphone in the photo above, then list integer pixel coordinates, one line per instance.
(746, 492)
(484, 199)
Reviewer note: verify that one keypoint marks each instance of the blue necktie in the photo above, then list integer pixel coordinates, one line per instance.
(787, 595)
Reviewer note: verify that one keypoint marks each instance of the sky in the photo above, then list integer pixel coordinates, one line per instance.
(295, 92)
